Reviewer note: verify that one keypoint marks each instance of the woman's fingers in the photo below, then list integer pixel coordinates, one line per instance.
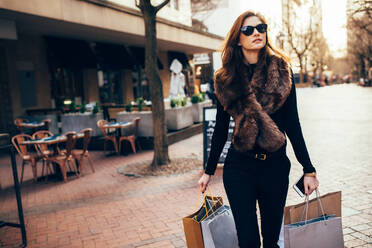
(310, 184)
(203, 182)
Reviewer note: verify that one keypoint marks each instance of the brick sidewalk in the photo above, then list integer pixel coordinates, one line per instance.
(106, 209)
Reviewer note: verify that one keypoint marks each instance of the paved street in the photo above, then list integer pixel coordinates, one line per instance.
(106, 209)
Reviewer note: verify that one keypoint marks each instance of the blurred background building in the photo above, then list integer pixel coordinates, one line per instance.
(87, 51)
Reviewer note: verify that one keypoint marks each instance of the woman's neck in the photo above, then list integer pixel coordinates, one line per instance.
(250, 56)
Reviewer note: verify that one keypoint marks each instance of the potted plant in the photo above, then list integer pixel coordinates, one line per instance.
(128, 107)
(198, 103)
(76, 121)
(180, 114)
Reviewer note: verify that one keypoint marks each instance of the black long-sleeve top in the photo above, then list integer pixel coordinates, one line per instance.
(286, 118)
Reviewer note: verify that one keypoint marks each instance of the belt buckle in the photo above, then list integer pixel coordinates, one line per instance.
(261, 156)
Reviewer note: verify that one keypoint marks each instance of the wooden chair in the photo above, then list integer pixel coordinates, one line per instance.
(43, 149)
(107, 136)
(79, 155)
(65, 159)
(26, 156)
(132, 138)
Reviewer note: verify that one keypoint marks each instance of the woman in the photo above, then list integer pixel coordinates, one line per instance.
(255, 87)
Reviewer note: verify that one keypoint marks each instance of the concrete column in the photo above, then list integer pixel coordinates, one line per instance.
(127, 86)
(91, 91)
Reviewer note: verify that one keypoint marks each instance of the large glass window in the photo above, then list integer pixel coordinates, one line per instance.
(110, 90)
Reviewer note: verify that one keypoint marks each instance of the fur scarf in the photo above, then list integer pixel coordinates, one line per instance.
(251, 103)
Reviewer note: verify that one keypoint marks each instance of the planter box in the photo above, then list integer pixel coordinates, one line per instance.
(145, 128)
(78, 121)
(197, 110)
(176, 118)
(179, 117)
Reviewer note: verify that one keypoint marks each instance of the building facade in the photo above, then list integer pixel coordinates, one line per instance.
(86, 51)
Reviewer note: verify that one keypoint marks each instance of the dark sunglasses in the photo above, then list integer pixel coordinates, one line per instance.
(248, 30)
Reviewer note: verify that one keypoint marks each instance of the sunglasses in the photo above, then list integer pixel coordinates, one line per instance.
(248, 30)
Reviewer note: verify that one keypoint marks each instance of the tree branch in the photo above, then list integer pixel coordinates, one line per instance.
(158, 7)
(139, 4)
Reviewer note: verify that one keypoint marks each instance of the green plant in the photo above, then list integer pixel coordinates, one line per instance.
(72, 107)
(183, 101)
(128, 107)
(197, 98)
(95, 109)
(140, 103)
(178, 101)
(83, 108)
(173, 102)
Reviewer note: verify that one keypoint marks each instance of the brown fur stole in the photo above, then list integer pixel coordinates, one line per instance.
(251, 103)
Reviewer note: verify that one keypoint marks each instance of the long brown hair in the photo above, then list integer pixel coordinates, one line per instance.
(232, 55)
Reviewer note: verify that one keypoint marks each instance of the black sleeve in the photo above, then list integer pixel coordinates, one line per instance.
(218, 139)
(294, 132)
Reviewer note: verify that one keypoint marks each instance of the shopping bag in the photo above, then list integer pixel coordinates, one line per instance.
(219, 229)
(191, 223)
(331, 203)
(323, 231)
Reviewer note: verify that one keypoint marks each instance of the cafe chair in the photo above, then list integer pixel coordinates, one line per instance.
(26, 156)
(107, 136)
(79, 155)
(65, 159)
(43, 149)
(131, 137)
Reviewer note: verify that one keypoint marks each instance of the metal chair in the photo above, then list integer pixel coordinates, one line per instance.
(65, 159)
(43, 149)
(79, 155)
(107, 136)
(132, 138)
(26, 156)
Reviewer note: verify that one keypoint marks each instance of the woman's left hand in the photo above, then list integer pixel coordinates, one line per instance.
(311, 183)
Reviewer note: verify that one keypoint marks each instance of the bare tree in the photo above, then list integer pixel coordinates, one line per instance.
(359, 26)
(300, 40)
(149, 12)
(202, 9)
(320, 54)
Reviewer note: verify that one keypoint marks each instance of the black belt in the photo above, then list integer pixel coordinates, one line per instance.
(263, 155)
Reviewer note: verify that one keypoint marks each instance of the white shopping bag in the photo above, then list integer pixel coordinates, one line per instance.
(219, 229)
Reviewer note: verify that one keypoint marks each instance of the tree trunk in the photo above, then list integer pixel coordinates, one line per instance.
(156, 89)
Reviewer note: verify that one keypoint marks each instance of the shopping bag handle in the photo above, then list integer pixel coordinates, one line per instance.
(205, 203)
(306, 210)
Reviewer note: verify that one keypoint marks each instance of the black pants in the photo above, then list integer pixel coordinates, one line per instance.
(248, 180)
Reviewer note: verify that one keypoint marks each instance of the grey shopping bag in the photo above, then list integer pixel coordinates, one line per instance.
(219, 229)
(324, 231)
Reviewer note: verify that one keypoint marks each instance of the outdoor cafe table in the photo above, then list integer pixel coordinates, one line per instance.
(55, 139)
(52, 140)
(34, 125)
(118, 125)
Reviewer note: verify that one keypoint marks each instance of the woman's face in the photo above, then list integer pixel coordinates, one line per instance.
(256, 40)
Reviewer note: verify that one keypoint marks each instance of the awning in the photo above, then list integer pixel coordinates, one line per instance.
(113, 56)
(138, 54)
(181, 57)
(70, 53)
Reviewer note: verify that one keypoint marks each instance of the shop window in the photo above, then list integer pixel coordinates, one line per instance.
(67, 84)
(110, 90)
(140, 84)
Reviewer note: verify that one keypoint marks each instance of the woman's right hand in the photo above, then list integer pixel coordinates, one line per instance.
(203, 182)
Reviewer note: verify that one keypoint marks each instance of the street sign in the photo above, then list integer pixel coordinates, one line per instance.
(209, 122)
(201, 59)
